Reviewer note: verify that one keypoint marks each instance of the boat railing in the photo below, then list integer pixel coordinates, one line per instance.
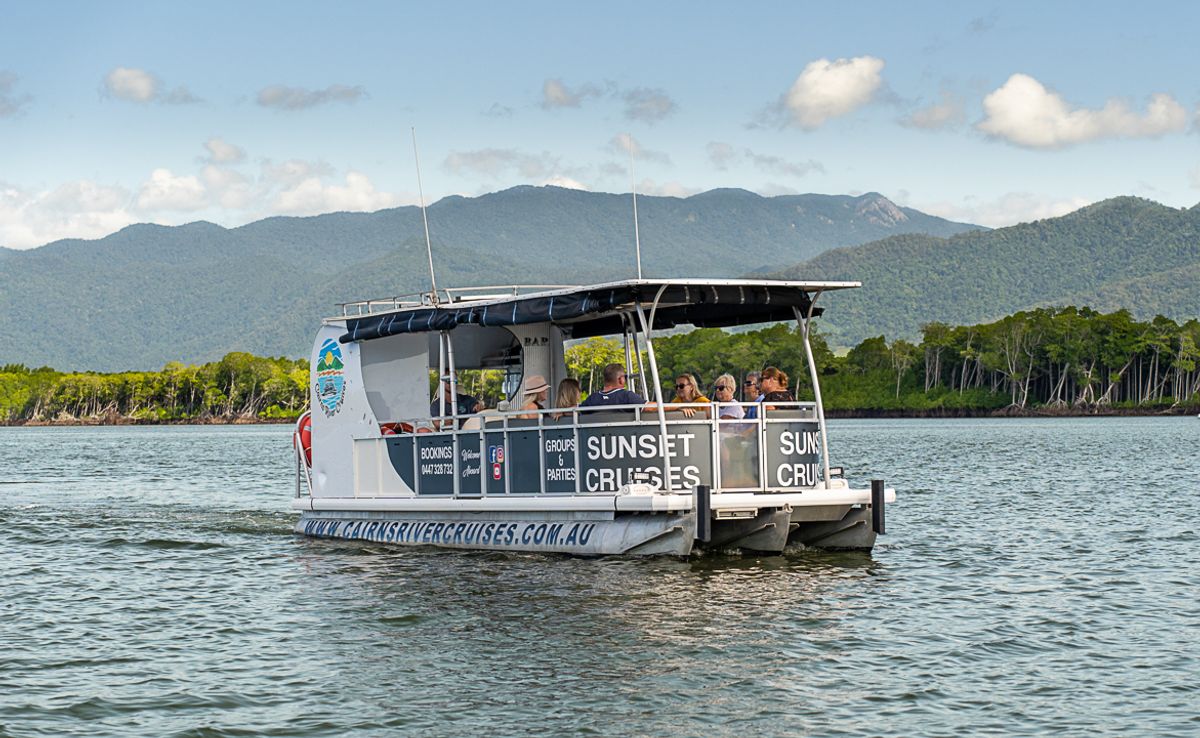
(446, 295)
(605, 451)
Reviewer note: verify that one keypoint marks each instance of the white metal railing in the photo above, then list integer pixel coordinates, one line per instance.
(737, 447)
(447, 295)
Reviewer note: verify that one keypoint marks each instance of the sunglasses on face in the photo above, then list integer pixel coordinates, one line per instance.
(723, 388)
(682, 386)
(750, 384)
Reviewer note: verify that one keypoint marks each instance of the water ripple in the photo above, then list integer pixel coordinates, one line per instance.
(1037, 580)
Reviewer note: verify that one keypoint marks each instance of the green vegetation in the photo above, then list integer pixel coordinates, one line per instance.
(239, 386)
(1049, 359)
(1045, 360)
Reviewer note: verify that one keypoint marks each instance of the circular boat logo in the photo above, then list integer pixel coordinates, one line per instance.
(331, 379)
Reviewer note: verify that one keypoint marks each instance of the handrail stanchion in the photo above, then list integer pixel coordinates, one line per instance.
(575, 430)
(453, 409)
(812, 373)
(625, 325)
(647, 328)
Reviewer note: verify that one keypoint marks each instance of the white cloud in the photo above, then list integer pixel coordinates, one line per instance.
(947, 112)
(282, 97)
(647, 105)
(80, 209)
(86, 210)
(1024, 112)
(830, 89)
(167, 191)
(721, 154)
(625, 144)
(1008, 209)
(227, 187)
(134, 85)
(665, 189)
(556, 94)
(292, 172)
(496, 163)
(724, 155)
(221, 151)
(779, 165)
(311, 196)
(137, 85)
(10, 104)
(570, 184)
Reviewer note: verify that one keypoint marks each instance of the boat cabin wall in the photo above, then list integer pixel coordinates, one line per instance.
(358, 385)
(542, 353)
(395, 373)
(341, 410)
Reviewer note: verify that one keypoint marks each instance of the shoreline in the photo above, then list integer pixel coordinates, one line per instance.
(953, 413)
(118, 420)
(1038, 412)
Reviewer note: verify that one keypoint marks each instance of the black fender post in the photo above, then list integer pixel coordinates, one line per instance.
(877, 506)
(703, 504)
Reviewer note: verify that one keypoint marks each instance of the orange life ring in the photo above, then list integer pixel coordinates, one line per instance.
(302, 438)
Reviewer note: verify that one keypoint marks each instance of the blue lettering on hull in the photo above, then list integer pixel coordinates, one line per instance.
(524, 536)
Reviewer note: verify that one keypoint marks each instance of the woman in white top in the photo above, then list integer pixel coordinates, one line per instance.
(723, 391)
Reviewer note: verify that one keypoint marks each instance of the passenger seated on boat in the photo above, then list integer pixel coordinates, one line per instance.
(537, 392)
(723, 391)
(687, 391)
(476, 421)
(466, 404)
(775, 387)
(751, 393)
(569, 392)
(614, 392)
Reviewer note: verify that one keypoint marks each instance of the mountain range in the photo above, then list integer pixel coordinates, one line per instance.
(1122, 253)
(150, 294)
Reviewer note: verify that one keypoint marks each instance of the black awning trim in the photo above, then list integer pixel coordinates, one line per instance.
(595, 314)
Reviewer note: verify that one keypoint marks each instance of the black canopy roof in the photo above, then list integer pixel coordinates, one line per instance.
(596, 310)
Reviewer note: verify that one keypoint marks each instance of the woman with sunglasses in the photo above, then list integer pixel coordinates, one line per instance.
(686, 391)
(723, 392)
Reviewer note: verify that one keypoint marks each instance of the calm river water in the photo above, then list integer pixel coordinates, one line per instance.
(1039, 577)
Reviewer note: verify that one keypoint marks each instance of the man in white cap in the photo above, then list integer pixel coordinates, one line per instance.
(535, 394)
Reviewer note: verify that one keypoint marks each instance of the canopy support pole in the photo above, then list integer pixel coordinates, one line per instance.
(631, 334)
(628, 335)
(453, 405)
(440, 394)
(647, 328)
(803, 321)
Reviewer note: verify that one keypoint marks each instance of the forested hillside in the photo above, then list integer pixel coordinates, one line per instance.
(151, 294)
(1121, 253)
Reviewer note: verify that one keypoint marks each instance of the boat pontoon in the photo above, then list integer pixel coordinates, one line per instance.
(384, 465)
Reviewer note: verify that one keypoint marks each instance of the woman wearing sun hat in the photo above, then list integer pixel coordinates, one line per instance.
(537, 391)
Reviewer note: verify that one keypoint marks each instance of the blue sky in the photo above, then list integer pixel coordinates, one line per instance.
(116, 113)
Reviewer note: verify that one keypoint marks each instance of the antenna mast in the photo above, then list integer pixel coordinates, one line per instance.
(425, 218)
(637, 241)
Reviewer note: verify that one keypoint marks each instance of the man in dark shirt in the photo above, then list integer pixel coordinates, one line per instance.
(467, 405)
(614, 392)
